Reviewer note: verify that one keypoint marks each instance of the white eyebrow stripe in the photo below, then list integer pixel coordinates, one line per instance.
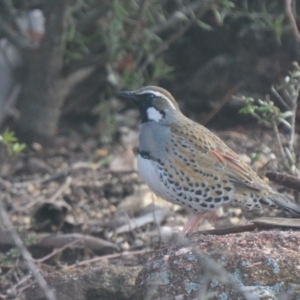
(158, 94)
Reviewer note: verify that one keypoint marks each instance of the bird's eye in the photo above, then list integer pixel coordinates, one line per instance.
(150, 96)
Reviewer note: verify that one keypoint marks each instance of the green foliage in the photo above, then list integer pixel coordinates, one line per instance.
(131, 36)
(276, 24)
(107, 119)
(9, 139)
(265, 15)
(124, 35)
(132, 45)
(9, 258)
(265, 110)
(78, 42)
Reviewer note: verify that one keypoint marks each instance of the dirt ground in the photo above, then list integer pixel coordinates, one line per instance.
(81, 198)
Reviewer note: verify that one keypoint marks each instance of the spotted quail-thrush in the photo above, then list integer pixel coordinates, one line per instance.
(186, 164)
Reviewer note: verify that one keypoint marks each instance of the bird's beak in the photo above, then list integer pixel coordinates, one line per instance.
(128, 95)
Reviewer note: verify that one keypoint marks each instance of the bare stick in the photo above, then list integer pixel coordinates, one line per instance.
(291, 18)
(293, 118)
(142, 8)
(55, 251)
(189, 13)
(186, 12)
(18, 40)
(25, 253)
(288, 181)
(10, 14)
(222, 103)
(163, 47)
(279, 98)
(61, 189)
(110, 256)
(282, 153)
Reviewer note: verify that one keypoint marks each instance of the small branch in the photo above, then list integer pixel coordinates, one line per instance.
(61, 189)
(293, 118)
(279, 98)
(193, 11)
(291, 18)
(55, 251)
(55, 177)
(90, 18)
(199, 7)
(106, 257)
(88, 241)
(293, 92)
(288, 181)
(89, 61)
(162, 48)
(286, 96)
(142, 8)
(271, 222)
(68, 83)
(228, 230)
(25, 253)
(222, 103)
(61, 241)
(10, 14)
(282, 153)
(293, 124)
(20, 283)
(10, 101)
(18, 40)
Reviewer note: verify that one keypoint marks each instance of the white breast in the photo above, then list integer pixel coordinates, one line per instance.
(150, 175)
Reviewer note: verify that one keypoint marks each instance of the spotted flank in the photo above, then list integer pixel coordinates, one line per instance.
(199, 195)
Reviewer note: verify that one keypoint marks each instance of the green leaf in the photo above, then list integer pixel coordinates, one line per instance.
(17, 148)
(286, 114)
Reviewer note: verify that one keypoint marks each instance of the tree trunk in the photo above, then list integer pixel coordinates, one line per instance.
(41, 100)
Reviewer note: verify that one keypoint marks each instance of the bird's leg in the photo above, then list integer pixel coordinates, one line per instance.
(190, 226)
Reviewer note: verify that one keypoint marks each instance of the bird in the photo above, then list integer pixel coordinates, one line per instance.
(185, 163)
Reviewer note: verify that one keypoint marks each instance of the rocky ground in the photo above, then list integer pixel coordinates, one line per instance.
(79, 205)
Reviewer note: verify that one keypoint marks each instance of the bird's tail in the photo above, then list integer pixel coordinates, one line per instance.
(284, 203)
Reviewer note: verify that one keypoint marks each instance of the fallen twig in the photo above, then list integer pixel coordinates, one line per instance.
(106, 257)
(61, 189)
(61, 240)
(267, 222)
(76, 166)
(288, 181)
(228, 230)
(25, 253)
(55, 251)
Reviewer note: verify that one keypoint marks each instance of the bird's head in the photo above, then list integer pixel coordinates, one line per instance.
(155, 104)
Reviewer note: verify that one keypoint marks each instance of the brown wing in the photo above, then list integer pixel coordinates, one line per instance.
(219, 154)
(238, 171)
